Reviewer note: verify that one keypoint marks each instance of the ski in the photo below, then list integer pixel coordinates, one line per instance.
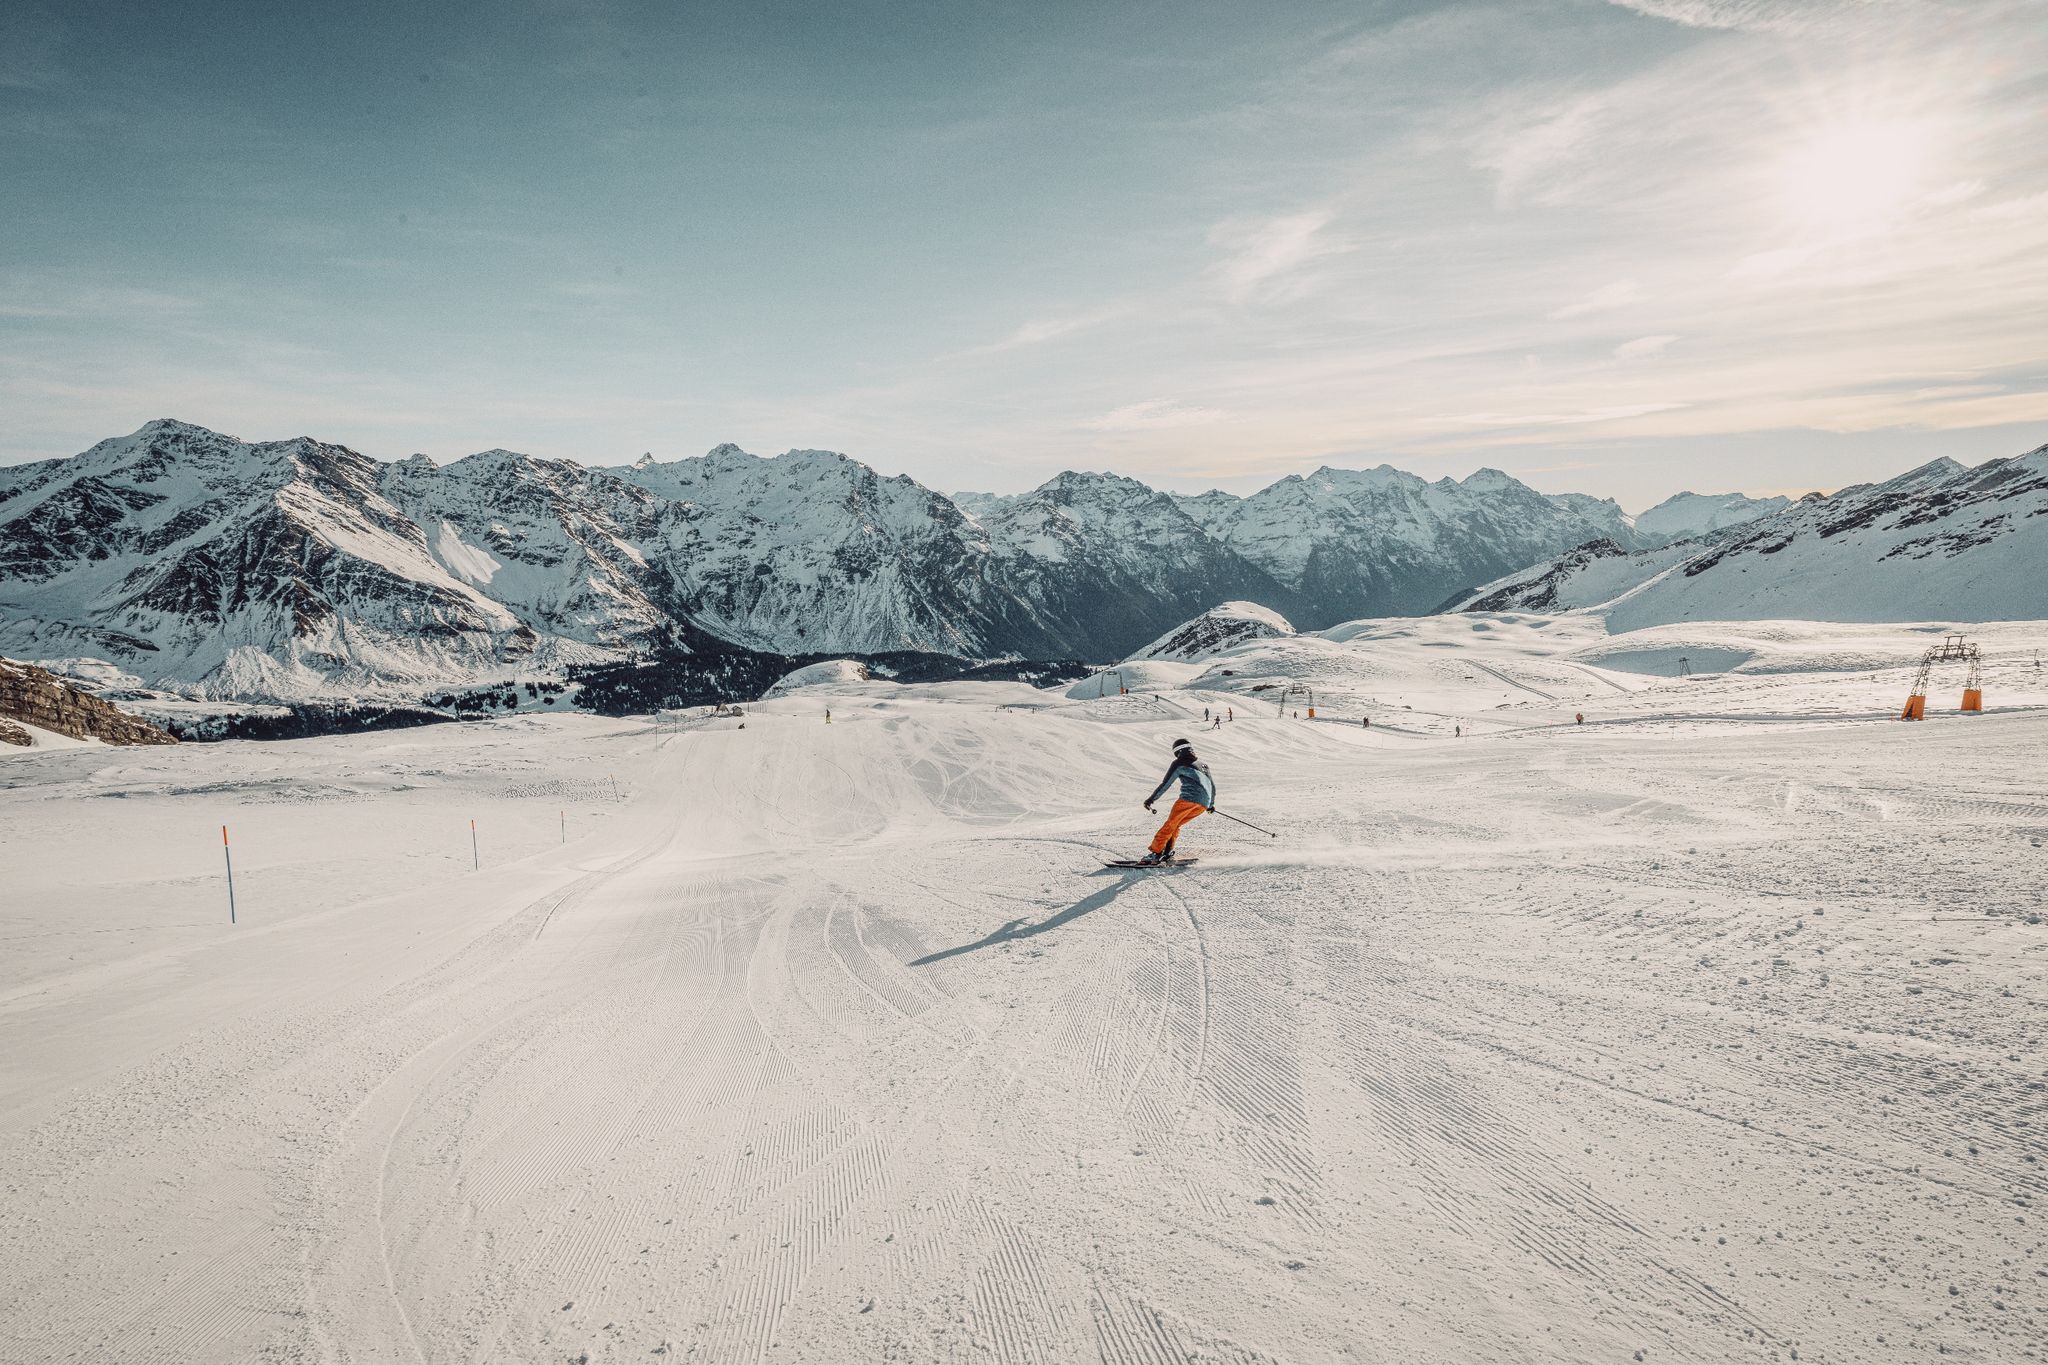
(1139, 863)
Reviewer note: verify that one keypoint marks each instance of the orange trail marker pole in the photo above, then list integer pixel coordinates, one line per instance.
(230, 859)
(475, 858)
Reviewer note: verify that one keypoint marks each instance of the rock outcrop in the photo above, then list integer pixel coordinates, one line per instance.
(40, 698)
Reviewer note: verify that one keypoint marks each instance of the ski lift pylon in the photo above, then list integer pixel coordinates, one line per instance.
(1952, 649)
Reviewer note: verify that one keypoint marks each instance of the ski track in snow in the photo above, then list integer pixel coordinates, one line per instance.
(833, 1043)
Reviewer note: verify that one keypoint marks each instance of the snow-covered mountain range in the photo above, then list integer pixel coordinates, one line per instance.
(1940, 543)
(294, 568)
(1348, 543)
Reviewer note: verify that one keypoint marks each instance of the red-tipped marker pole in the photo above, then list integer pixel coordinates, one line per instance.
(224, 853)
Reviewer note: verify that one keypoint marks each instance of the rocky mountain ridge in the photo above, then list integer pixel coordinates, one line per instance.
(1943, 542)
(33, 696)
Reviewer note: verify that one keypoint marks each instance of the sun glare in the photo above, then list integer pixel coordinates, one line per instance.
(1855, 179)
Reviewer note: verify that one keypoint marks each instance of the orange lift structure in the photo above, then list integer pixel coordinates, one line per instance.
(1953, 648)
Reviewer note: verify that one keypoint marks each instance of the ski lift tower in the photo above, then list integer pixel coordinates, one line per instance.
(1303, 694)
(1102, 682)
(1684, 666)
(1952, 649)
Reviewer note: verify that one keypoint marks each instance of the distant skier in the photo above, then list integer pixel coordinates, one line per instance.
(1197, 794)
(1579, 716)
(1216, 724)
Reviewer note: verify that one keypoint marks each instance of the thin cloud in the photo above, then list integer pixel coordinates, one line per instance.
(1617, 295)
(1643, 347)
(1156, 414)
(1527, 153)
(1038, 331)
(1565, 419)
(1749, 14)
(1266, 253)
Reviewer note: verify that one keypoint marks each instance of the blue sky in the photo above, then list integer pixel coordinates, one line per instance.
(1621, 248)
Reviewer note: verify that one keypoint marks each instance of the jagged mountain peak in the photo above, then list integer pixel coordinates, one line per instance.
(1487, 478)
(1083, 480)
(1940, 467)
(159, 428)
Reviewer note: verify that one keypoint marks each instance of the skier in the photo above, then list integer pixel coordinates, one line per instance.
(1216, 724)
(1197, 794)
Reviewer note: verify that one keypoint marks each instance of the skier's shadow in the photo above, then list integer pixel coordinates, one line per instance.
(1019, 929)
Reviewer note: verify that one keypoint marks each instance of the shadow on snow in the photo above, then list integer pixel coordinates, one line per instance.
(1020, 929)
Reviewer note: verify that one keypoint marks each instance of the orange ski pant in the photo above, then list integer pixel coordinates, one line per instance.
(1182, 812)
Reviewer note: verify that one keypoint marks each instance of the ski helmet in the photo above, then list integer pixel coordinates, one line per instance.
(1180, 744)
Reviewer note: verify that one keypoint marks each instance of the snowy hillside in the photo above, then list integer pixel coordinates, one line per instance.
(831, 673)
(1691, 514)
(1219, 628)
(1942, 542)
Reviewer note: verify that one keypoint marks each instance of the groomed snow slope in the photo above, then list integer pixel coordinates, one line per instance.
(834, 1043)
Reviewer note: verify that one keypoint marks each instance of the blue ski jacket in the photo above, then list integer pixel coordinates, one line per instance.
(1197, 784)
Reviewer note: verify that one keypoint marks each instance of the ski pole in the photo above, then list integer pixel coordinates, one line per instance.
(1246, 823)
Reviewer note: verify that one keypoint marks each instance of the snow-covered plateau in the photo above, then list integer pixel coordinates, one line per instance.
(1711, 1028)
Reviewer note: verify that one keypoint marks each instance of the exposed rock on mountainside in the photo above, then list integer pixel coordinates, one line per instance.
(37, 697)
(1942, 542)
(1107, 562)
(1219, 628)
